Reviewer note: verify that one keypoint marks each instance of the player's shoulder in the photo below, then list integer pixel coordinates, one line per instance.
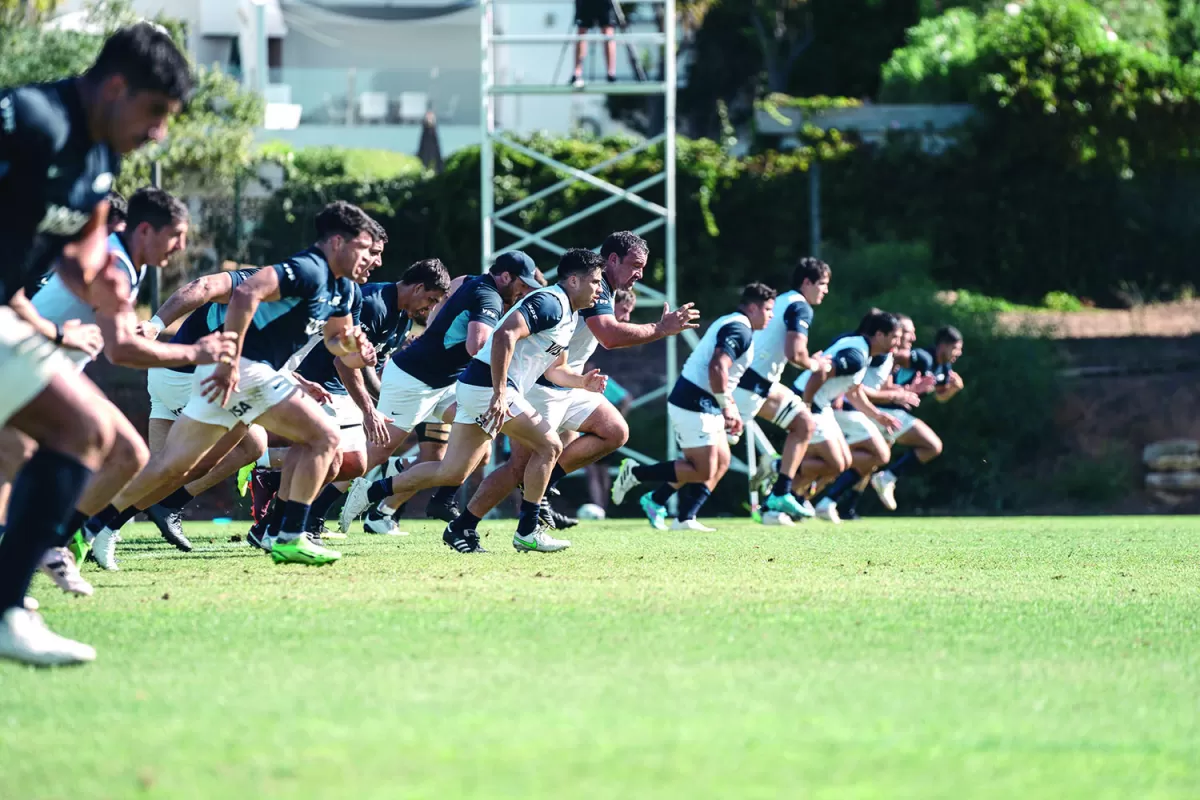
(921, 360)
(36, 113)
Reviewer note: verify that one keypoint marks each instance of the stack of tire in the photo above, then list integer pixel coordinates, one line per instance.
(1173, 470)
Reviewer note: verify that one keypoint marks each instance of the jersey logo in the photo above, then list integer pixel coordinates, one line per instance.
(555, 349)
(314, 327)
(53, 172)
(103, 183)
(487, 312)
(60, 221)
(337, 298)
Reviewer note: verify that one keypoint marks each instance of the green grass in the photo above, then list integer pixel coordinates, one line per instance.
(910, 658)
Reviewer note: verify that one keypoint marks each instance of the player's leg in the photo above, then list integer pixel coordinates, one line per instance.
(869, 450)
(787, 411)
(531, 430)
(709, 461)
(695, 432)
(925, 446)
(492, 491)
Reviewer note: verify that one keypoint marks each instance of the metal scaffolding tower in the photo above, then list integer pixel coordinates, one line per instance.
(495, 218)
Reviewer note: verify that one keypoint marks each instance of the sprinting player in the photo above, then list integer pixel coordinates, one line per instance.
(600, 427)
(704, 415)
(531, 340)
(273, 313)
(828, 453)
(925, 445)
(157, 228)
(418, 382)
(60, 148)
(760, 394)
(387, 312)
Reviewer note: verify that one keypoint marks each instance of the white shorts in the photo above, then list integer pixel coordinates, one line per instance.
(856, 426)
(261, 387)
(827, 427)
(907, 420)
(169, 391)
(28, 362)
(473, 402)
(695, 429)
(564, 409)
(349, 419)
(408, 401)
(790, 405)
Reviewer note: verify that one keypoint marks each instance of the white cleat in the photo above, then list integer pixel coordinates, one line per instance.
(764, 475)
(827, 510)
(624, 482)
(691, 525)
(59, 566)
(31, 603)
(383, 527)
(776, 518)
(104, 548)
(884, 484)
(356, 503)
(24, 637)
(539, 541)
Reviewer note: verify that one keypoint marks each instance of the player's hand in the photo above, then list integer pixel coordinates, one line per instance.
(907, 399)
(954, 381)
(890, 423)
(733, 422)
(376, 427)
(365, 348)
(595, 381)
(681, 319)
(314, 390)
(222, 383)
(496, 415)
(216, 348)
(79, 336)
(820, 362)
(923, 384)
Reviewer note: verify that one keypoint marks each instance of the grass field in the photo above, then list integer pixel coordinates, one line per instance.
(912, 658)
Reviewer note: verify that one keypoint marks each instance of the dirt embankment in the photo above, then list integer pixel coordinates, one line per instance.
(1166, 319)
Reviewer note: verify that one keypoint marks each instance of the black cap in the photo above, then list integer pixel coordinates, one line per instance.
(516, 262)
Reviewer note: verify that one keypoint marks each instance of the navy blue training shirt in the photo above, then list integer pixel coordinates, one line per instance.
(52, 177)
(438, 356)
(382, 321)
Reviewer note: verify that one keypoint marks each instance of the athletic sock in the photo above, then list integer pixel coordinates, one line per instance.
(847, 480)
(73, 524)
(274, 516)
(663, 471)
(294, 519)
(380, 490)
(110, 518)
(325, 500)
(466, 521)
(556, 475)
(691, 498)
(43, 499)
(271, 481)
(444, 494)
(176, 500)
(783, 485)
(849, 501)
(906, 462)
(662, 494)
(528, 522)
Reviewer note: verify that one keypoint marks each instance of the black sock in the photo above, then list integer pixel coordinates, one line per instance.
(271, 481)
(177, 500)
(325, 500)
(444, 495)
(44, 495)
(907, 461)
(380, 490)
(556, 475)
(783, 486)
(527, 524)
(466, 521)
(691, 498)
(662, 494)
(399, 512)
(849, 501)
(294, 518)
(663, 471)
(274, 516)
(73, 524)
(847, 480)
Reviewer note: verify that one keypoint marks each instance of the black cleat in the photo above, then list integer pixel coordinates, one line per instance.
(170, 525)
(562, 521)
(545, 514)
(257, 536)
(446, 512)
(462, 541)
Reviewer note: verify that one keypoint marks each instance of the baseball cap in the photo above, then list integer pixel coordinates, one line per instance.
(518, 263)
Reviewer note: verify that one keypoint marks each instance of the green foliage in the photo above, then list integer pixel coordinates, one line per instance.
(936, 65)
(339, 163)
(1184, 41)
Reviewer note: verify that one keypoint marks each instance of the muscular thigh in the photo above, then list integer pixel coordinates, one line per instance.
(299, 419)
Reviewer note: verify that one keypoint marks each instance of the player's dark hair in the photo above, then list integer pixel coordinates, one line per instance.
(876, 321)
(380, 235)
(146, 57)
(809, 269)
(118, 209)
(155, 207)
(757, 293)
(430, 273)
(947, 335)
(342, 219)
(623, 296)
(578, 261)
(623, 243)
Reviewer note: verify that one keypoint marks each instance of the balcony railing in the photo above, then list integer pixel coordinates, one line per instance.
(364, 96)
